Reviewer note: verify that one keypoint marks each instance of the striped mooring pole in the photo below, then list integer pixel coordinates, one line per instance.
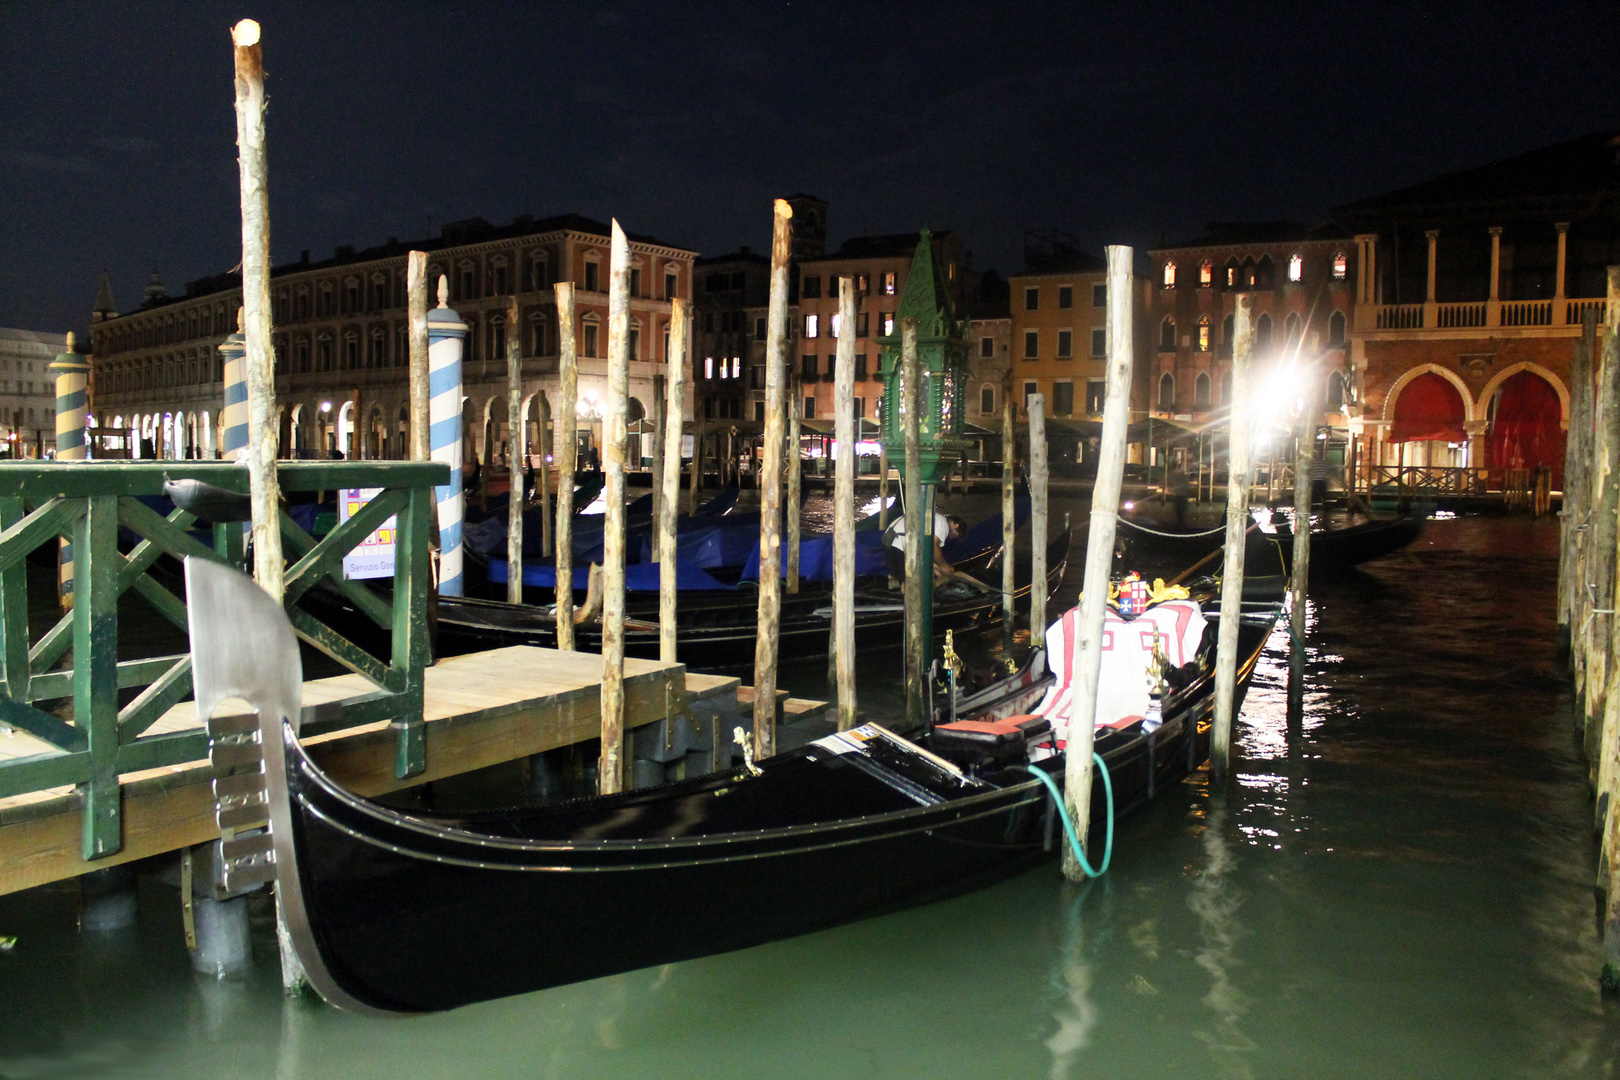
(233, 418)
(446, 336)
(72, 373)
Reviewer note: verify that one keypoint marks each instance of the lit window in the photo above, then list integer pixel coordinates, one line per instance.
(1032, 299)
(1341, 265)
(1231, 275)
(1203, 334)
(1169, 274)
(1206, 274)
(1296, 267)
(888, 324)
(836, 323)
(863, 284)
(888, 284)
(708, 367)
(812, 326)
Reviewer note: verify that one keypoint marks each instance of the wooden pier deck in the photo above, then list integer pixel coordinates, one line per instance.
(481, 709)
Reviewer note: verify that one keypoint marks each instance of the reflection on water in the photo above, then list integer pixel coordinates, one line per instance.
(1402, 889)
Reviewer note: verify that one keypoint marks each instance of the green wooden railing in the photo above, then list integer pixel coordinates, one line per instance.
(76, 709)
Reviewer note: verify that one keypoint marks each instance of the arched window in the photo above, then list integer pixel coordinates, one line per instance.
(1167, 335)
(1231, 276)
(987, 400)
(1206, 274)
(1226, 388)
(1335, 390)
(1336, 328)
(1201, 393)
(1262, 333)
(1167, 392)
(1264, 278)
(1247, 274)
(1296, 267)
(1341, 265)
(1291, 331)
(1169, 274)
(1226, 333)
(1203, 333)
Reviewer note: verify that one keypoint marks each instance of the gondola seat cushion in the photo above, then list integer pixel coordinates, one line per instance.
(991, 743)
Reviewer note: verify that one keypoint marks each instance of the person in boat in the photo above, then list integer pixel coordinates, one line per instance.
(945, 527)
(1180, 486)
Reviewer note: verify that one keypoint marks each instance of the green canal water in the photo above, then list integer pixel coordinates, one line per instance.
(1401, 886)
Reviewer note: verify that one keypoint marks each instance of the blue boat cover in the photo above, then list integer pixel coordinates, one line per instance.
(816, 557)
(638, 577)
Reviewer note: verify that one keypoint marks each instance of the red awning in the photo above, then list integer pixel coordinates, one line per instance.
(1429, 409)
(1526, 429)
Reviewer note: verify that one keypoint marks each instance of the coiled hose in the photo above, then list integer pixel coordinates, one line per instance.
(1068, 826)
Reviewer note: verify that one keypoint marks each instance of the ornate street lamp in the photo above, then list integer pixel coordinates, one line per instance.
(942, 360)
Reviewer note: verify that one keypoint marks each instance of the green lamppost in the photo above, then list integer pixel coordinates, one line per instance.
(942, 360)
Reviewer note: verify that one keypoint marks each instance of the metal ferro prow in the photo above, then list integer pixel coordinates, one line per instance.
(242, 646)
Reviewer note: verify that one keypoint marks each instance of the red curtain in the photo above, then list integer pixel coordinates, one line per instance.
(1429, 408)
(1525, 431)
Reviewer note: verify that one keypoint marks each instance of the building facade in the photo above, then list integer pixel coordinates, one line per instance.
(28, 392)
(341, 346)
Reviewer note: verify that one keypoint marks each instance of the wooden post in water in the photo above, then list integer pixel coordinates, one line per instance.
(1577, 489)
(1104, 520)
(1304, 459)
(263, 485)
(1009, 516)
(1039, 479)
(1608, 742)
(843, 628)
(795, 480)
(615, 406)
(770, 487)
(514, 455)
(655, 472)
(919, 556)
(1238, 477)
(416, 298)
(1599, 664)
(697, 453)
(567, 459)
(543, 473)
(670, 480)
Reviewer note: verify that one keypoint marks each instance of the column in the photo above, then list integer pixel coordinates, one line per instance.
(1365, 318)
(72, 407)
(1434, 244)
(1496, 261)
(447, 335)
(1560, 311)
(233, 419)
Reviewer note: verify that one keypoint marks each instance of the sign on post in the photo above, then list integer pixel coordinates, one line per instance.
(374, 556)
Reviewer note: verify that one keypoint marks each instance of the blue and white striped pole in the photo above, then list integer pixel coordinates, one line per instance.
(72, 407)
(233, 418)
(446, 337)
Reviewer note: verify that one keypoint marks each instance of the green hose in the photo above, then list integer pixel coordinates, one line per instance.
(1068, 826)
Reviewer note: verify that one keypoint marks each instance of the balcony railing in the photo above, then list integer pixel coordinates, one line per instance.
(1480, 314)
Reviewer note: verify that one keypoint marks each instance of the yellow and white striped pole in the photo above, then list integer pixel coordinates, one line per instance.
(72, 373)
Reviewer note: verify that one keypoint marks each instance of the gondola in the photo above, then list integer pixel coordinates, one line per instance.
(1333, 550)
(393, 912)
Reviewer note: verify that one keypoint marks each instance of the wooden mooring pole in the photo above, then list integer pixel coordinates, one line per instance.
(919, 538)
(795, 481)
(1009, 505)
(883, 483)
(770, 487)
(1304, 458)
(1601, 535)
(416, 297)
(1577, 484)
(1077, 766)
(1608, 740)
(670, 480)
(515, 433)
(1239, 474)
(263, 485)
(567, 458)
(697, 453)
(615, 406)
(543, 473)
(843, 628)
(1039, 485)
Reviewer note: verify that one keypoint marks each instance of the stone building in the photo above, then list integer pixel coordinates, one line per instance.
(342, 350)
(728, 352)
(28, 392)
(1470, 291)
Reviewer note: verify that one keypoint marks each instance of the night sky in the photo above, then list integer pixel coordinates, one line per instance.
(117, 134)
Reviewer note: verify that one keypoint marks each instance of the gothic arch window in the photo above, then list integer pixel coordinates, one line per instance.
(1169, 274)
(1206, 274)
(1167, 392)
(1264, 277)
(1291, 331)
(1247, 274)
(1167, 335)
(1335, 391)
(1296, 267)
(1201, 393)
(1341, 265)
(1336, 328)
(1262, 332)
(1226, 333)
(1203, 333)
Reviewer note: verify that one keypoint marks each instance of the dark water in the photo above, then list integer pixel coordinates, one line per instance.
(1399, 888)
